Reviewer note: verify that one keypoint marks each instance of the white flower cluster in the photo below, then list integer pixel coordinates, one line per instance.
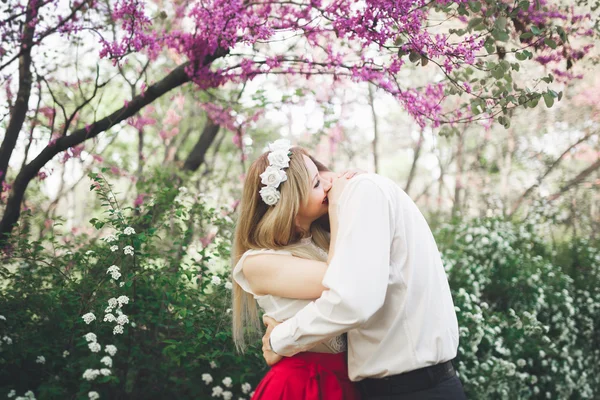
(274, 174)
(246, 388)
(121, 319)
(106, 360)
(27, 396)
(128, 250)
(89, 317)
(91, 374)
(40, 360)
(207, 378)
(111, 349)
(113, 270)
(129, 231)
(110, 239)
(93, 344)
(93, 395)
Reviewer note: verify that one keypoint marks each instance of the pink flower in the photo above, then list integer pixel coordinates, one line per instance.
(206, 240)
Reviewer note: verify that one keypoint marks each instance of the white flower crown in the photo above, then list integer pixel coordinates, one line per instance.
(279, 158)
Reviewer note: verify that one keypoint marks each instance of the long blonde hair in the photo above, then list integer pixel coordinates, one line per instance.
(260, 226)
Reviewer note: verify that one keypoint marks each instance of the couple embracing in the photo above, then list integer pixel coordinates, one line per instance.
(350, 280)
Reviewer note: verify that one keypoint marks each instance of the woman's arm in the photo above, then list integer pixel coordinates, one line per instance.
(285, 276)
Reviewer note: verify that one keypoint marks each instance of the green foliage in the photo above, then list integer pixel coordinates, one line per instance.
(528, 310)
(179, 320)
(529, 314)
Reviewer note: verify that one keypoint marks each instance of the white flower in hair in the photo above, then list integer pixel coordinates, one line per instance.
(273, 176)
(270, 195)
(280, 144)
(279, 158)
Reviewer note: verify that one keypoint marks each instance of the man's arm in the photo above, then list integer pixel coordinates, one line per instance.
(357, 276)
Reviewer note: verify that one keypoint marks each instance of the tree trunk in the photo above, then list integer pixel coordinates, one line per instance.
(196, 156)
(460, 166)
(375, 129)
(413, 167)
(21, 106)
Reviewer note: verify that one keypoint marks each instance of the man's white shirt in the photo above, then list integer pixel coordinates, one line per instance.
(387, 288)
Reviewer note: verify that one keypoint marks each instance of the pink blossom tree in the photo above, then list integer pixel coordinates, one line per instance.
(474, 61)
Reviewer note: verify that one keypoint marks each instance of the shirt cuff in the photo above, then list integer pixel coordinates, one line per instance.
(281, 341)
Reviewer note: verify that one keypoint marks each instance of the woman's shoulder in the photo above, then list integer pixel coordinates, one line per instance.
(255, 263)
(252, 257)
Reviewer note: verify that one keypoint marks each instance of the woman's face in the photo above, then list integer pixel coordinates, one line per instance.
(317, 204)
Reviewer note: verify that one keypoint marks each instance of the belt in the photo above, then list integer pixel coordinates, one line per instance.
(408, 382)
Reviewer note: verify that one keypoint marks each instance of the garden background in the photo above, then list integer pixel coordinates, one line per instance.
(126, 128)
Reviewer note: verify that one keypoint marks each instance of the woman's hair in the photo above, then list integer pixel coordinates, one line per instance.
(260, 226)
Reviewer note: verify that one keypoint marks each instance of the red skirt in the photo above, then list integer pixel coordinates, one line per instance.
(308, 376)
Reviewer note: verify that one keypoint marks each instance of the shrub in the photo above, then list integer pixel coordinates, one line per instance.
(528, 310)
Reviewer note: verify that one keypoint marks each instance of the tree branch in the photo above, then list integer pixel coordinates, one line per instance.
(176, 78)
(541, 178)
(575, 181)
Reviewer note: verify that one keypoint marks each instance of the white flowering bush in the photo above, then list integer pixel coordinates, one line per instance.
(139, 310)
(529, 311)
(136, 311)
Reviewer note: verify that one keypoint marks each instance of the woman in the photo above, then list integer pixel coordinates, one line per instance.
(280, 259)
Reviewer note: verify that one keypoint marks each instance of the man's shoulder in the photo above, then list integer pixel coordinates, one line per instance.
(373, 180)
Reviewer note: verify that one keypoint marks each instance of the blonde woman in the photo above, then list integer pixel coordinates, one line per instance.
(280, 253)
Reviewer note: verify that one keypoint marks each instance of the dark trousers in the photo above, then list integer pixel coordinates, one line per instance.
(449, 389)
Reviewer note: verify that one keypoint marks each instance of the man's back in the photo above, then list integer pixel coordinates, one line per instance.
(416, 326)
(387, 288)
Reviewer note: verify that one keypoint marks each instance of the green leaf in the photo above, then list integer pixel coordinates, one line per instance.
(535, 30)
(524, 5)
(477, 106)
(560, 95)
(414, 56)
(489, 45)
(520, 56)
(498, 72)
(500, 23)
(475, 6)
(526, 35)
(474, 22)
(550, 43)
(462, 10)
(548, 99)
(561, 32)
(500, 35)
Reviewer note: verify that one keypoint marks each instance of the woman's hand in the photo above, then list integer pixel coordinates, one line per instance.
(269, 355)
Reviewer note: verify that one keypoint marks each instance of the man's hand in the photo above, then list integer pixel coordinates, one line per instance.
(270, 357)
(337, 187)
(352, 172)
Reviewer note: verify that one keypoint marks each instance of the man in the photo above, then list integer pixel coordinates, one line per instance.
(388, 290)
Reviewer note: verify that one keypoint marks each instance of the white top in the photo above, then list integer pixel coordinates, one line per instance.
(387, 288)
(281, 308)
